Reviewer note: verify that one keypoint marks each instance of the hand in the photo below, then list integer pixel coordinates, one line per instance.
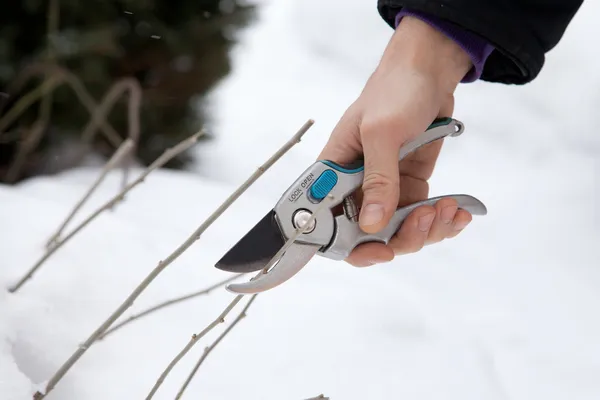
(412, 85)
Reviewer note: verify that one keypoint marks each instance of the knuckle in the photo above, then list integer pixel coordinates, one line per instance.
(377, 182)
(389, 125)
(407, 246)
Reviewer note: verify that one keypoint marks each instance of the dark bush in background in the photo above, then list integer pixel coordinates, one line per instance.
(177, 50)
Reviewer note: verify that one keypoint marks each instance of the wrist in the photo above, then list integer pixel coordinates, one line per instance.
(418, 46)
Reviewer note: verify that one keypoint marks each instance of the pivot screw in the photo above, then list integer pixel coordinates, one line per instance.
(300, 218)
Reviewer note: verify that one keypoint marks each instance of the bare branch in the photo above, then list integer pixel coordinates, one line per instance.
(116, 158)
(133, 117)
(53, 16)
(32, 139)
(195, 337)
(57, 76)
(60, 75)
(169, 303)
(210, 348)
(221, 318)
(160, 161)
(172, 257)
(26, 101)
(35, 134)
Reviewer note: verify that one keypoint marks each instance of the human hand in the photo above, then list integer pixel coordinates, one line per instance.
(412, 85)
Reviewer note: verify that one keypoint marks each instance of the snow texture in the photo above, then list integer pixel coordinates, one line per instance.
(507, 310)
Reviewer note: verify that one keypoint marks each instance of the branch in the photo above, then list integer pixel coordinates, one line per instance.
(116, 158)
(319, 397)
(36, 133)
(172, 257)
(26, 101)
(195, 337)
(168, 303)
(60, 75)
(160, 161)
(133, 115)
(53, 16)
(210, 348)
(221, 318)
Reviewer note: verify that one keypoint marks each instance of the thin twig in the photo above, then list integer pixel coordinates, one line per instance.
(56, 76)
(60, 75)
(172, 257)
(133, 117)
(167, 303)
(32, 138)
(116, 158)
(221, 318)
(160, 161)
(26, 101)
(34, 135)
(210, 348)
(53, 15)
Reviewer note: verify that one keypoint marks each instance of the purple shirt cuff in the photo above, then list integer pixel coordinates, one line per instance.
(476, 47)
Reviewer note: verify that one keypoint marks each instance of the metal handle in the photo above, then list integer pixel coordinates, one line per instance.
(348, 234)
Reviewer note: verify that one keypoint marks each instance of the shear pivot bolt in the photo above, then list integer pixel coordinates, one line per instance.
(300, 218)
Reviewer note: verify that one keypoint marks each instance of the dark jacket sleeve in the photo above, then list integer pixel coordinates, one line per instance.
(522, 31)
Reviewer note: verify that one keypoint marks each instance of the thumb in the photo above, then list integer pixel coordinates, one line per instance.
(381, 184)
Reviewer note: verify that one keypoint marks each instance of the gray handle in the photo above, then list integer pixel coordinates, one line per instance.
(348, 234)
(349, 182)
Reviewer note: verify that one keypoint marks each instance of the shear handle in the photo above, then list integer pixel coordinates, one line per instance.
(348, 234)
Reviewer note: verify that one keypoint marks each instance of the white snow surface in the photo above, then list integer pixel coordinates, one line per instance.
(507, 310)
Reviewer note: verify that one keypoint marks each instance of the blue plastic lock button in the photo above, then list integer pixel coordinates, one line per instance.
(323, 184)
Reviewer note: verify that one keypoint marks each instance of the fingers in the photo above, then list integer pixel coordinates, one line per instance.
(381, 182)
(414, 231)
(448, 222)
(369, 254)
(427, 225)
(424, 226)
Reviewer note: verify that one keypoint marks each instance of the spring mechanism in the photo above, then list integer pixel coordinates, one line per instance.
(350, 209)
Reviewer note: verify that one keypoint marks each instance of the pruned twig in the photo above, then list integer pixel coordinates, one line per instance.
(167, 261)
(221, 318)
(123, 150)
(210, 348)
(169, 303)
(160, 161)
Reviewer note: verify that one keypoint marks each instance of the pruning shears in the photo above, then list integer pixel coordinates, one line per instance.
(333, 231)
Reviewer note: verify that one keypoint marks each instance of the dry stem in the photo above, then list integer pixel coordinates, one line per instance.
(172, 257)
(27, 100)
(133, 116)
(53, 15)
(221, 318)
(210, 348)
(168, 303)
(116, 158)
(160, 161)
(59, 75)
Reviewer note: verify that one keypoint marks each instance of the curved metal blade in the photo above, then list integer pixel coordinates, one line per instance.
(253, 251)
(292, 261)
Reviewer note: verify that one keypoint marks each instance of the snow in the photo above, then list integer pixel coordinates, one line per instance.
(507, 310)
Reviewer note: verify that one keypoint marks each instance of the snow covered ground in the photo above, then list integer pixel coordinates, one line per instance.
(508, 310)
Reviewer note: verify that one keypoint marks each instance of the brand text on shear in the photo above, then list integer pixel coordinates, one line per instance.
(300, 189)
